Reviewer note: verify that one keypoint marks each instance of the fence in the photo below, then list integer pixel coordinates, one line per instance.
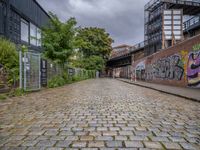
(30, 71)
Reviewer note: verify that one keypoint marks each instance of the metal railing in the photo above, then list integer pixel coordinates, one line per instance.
(137, 46)
(191, 22)
(154, 3)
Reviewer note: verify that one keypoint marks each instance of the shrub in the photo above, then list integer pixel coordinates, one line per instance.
(16, 92)
(56, 82)
(9, 59)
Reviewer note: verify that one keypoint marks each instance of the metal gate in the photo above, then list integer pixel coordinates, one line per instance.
(31, 71)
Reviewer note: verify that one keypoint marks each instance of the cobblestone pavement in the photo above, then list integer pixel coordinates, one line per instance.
(102, 114)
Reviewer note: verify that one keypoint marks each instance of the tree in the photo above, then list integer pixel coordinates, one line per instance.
(58, 39)
(94, 44)
(9, 59)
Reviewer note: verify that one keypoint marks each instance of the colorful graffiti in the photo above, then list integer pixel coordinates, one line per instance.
(193, 69)
(166, 68)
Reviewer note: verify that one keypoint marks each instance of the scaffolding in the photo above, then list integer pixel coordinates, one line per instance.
(153, 32)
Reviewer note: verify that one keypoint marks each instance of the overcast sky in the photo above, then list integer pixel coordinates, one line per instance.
(122, 19)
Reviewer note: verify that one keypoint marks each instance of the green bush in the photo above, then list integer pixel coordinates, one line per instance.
(56, 82)
(9, 59)
(16, 92)
(63, 79)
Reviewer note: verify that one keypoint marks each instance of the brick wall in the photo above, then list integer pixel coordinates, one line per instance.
(178, 65)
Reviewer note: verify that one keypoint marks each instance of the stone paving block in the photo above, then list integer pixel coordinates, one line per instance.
(71, 138)
(89, 148)
(37, 148)
(13, 148)
(171, 145)
(46, 143)
(107, 149)
(126, 133)
(121, 138)
(102, 129)
(87, 138)
(188, 146)
(63, 143)
(36, 133)
(193, 140)
(57, 138)
(16, 137)
(136, 144)
(79, 144)
(66, 133)
(113, 144)
(30, 143)
(127, 148)
(109, 133)
(114, 128)
(177, 139)
(43, 137)
(55, 148)
(159, 139)
(104, 138)
(97, 133)
(96, 144)
(13, 143)
(51, 133)
(138, 138)
(154, 145)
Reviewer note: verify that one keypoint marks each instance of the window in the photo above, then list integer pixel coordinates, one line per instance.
(24, 30)
(35, 35)
(39, 43)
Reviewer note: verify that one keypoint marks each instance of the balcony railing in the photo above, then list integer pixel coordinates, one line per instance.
(191, 23)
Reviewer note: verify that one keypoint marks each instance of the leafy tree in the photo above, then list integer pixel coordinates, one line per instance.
(9, 59)
(94, 46)
(58, 39)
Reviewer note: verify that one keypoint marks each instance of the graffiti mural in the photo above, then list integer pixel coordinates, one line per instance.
(166, 68)
(193, 69)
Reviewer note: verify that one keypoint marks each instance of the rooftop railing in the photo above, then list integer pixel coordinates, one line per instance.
(151, 4)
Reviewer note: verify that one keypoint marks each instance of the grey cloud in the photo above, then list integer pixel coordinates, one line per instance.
(122, 19)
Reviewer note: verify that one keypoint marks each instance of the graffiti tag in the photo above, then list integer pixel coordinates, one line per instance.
(166, 68)
(193, 69)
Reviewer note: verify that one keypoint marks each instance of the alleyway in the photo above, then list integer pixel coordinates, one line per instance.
(99, 114)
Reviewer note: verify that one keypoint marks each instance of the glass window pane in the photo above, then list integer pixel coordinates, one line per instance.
(177, 12)
(177, 32)
(177, 27)
(167, 17)
(177, 22)
(178, 37)
(33, 34)
(24, 30)
(167, 12)
(177, 17)
(167, 27)
(38, 37)
(167, 22)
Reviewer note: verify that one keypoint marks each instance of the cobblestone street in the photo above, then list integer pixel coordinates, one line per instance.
(101, 114)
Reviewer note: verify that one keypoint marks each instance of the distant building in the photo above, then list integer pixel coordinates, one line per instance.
(21, 22)
(164, 24)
